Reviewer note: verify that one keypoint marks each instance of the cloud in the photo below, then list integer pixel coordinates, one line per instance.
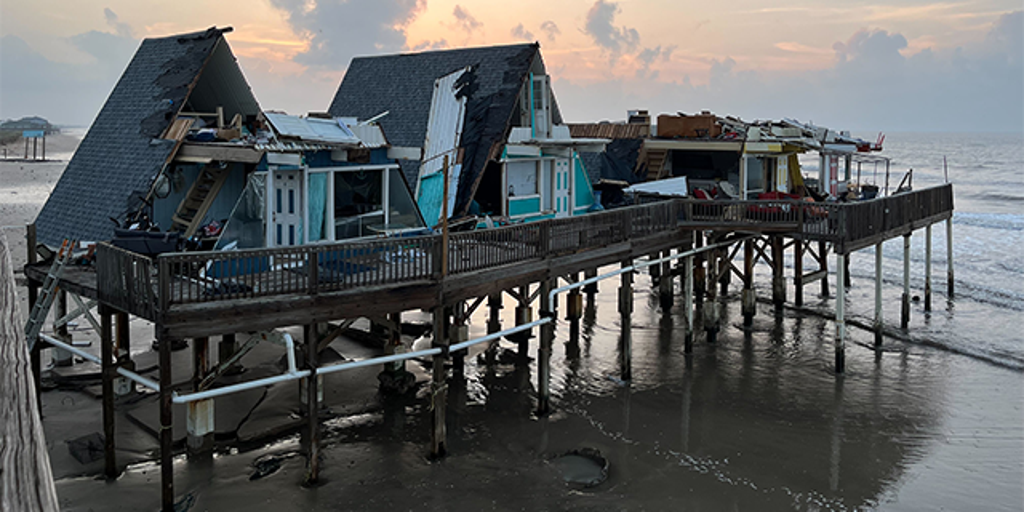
(440, 44)
(64, 93)
(465, 20)
(648, 56)
(873, 84)
(600, 27)
(120, 28)
(519, 32)
(338, 30)
(550, 29)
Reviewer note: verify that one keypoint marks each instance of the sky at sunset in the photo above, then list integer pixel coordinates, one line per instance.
(903, 65)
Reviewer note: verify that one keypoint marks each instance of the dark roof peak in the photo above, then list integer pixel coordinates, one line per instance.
(212, 32)
(467, 49)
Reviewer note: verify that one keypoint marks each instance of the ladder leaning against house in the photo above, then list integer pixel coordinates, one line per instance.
(46, 295)
(193, 208)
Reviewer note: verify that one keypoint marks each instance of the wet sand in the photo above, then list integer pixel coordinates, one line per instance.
(757, 421)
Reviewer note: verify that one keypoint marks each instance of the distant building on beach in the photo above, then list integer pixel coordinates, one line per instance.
(30, 123)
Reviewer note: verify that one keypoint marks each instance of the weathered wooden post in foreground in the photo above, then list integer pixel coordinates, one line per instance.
(107, 374)
(312, 403)
(688, 303)
(26, 480)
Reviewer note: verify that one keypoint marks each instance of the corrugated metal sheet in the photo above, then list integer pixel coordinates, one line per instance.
(444, 132)
(311, 129)
(675, 187)
(370, 135)
(608, 130)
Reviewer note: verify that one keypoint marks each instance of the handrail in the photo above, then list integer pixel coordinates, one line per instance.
(145, 287)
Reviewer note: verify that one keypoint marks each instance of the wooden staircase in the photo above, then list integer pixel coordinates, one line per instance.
(655, 161)
(200, 197)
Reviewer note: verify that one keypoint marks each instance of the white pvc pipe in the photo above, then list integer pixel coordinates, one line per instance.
(373, 361)
(93, 359)
(292, 374)
(495, 335)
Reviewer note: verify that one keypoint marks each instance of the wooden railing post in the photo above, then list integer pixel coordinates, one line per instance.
(313, 271)
(163, 280)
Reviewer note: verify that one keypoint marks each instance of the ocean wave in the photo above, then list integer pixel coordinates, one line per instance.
(1007, 221)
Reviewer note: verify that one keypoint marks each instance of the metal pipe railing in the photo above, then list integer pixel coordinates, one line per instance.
(94, 359)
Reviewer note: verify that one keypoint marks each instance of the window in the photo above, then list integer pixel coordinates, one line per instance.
(357, 202)
(522, 178)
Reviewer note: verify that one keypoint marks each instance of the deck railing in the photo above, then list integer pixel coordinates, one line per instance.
(125, 280)
(139, 285)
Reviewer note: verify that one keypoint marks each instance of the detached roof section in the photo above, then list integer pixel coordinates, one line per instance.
(403, 85)
(123, 152)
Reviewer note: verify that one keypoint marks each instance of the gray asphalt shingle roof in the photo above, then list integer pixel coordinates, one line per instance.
(403, 85)
(116, 162)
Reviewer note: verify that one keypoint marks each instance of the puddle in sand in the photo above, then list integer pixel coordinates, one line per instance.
(585, 467)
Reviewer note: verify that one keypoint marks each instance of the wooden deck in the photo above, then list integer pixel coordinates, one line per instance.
(26, 481)
(208, 293)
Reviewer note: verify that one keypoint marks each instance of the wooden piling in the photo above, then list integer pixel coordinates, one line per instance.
(199, 424)
(312, 404)
(626, 321)
(591, 288)
(493, 325)
(547, 337)
(840, 341)
(798, 272)
(665, 288)
(749, 299)
(778, 272)
(524, 315)
(107, 375)
(439, 387)
(62, 357)
(823, 265)
(877, 326)
(688, 303)
(166, 424)
(949, 258)
(905, 302)
(123, 352)
(710, 307)
(455, 335)
(928, 268)
(699, 275)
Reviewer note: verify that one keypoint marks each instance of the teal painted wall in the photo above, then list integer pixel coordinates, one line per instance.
(523, 206)
(584, 189)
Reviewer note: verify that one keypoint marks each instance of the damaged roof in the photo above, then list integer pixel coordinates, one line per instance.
(403, 85)
(122, 153)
